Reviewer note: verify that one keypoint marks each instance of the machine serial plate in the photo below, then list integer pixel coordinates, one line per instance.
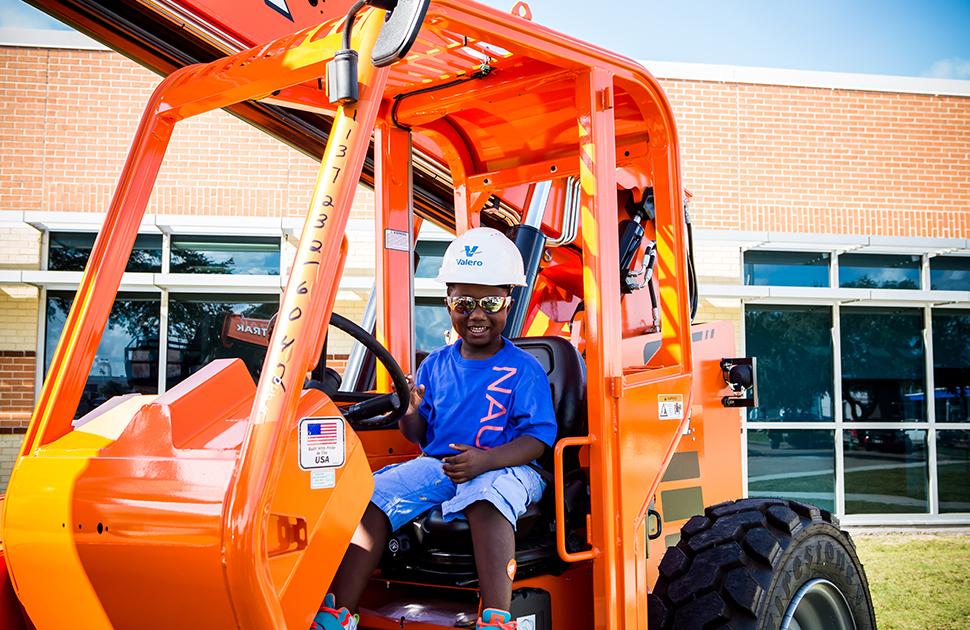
(323, 443)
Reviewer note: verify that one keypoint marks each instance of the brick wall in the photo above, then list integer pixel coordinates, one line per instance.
(756, 157)
(18, 318)
(20, 247)
(68, 118)
(9, 447)
(16, 389)
(788, 159)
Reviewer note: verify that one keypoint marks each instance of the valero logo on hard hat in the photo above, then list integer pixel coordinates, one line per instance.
(482, 256)
(470, 250)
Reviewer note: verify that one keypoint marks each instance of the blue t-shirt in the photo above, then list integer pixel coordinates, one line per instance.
(484, 403)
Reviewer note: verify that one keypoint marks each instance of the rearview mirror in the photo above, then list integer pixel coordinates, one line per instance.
(399, 31)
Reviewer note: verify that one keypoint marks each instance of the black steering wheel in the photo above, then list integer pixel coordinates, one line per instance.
(375, 411)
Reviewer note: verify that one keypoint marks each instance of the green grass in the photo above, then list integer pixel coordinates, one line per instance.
(918, 581)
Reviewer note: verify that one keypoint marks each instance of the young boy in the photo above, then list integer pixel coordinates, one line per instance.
(481, 410)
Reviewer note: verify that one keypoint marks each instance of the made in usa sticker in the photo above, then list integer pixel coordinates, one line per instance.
(323, 443)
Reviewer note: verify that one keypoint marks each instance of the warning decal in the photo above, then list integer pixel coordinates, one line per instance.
(670, 406)
(323, 443)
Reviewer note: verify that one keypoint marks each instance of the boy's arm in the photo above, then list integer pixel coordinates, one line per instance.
(412, 424)
(470, 462)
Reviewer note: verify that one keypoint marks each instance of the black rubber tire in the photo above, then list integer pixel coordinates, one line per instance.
(740, 564)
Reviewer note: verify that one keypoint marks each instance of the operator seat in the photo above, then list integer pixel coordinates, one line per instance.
(441, 551)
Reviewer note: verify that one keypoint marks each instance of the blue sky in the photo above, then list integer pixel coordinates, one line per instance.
(901, 37)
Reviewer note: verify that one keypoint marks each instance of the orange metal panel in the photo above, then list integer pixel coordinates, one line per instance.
(393, 229)
(303, 311)
(602, 295)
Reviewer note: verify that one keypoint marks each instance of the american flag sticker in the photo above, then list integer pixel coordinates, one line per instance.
(323, 443)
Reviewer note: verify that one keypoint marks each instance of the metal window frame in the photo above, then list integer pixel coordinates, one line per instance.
(927, 301)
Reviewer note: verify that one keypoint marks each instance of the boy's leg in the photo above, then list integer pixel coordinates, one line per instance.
(401, 492)
(361, 558)
(493, 542)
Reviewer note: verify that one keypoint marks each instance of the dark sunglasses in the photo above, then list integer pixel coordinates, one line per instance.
(465, 305)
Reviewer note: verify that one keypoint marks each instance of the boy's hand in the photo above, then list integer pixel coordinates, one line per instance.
(417, 395)
(469, 463)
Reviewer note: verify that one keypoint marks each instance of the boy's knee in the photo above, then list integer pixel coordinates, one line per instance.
(483, 510)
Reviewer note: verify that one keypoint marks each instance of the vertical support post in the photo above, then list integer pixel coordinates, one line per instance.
(394, 238)
(304, 309)
(163, 341)
(95, 296)
(601, 289)
(930, 398)
(467, 206)
(838, 408)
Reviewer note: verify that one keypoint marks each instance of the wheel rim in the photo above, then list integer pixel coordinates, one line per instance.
(818, 605)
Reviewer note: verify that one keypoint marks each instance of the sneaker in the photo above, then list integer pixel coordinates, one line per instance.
(495, 618)
(332, 618)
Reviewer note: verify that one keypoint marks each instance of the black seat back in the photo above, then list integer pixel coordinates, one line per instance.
(566, 372)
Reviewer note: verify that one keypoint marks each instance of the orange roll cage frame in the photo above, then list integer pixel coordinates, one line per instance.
(611, 125)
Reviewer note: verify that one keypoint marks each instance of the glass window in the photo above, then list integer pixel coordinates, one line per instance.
(127, 357)
(953, 470)
(885, 471)
(883, 364)
(431, 323)
(951, 365)
(877, 271)
(430, 254)
(204, 327)
(219, 254)
(69, 251)
(787, 269)
(794, 464)
(950, 273)
(793, 345)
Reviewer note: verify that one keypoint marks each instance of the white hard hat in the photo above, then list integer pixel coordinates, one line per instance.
(482, 256)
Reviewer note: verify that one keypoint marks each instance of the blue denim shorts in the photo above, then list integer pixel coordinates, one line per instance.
(408, 490)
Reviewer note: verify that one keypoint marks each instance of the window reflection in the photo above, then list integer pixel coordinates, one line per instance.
(202, 328)
(885, 471)
(69, 251)
(951, 365)
(429, 255)
(876, 271)
(883, 364)
(232, 255)
(953, 470)
(950, 273)
(795, 464)
(793, 345)
(787, 269)
(127, 357)
(431, 323)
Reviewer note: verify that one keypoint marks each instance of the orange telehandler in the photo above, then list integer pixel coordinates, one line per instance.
(208, 506)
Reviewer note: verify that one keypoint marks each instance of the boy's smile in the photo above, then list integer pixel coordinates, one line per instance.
(481, 332)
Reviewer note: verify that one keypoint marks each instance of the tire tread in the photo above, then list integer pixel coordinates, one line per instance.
(720, 572)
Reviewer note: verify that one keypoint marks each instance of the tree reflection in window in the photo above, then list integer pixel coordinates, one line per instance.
(127, 357)
(204, 327)
(793, 345)
(225, 255)
(883, 364)
(951, 365)
(877, 271)
(69, 251)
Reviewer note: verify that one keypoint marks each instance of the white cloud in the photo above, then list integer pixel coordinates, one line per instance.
(16, 14)
(950, 68)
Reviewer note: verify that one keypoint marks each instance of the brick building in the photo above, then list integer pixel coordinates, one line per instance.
(832, 214)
